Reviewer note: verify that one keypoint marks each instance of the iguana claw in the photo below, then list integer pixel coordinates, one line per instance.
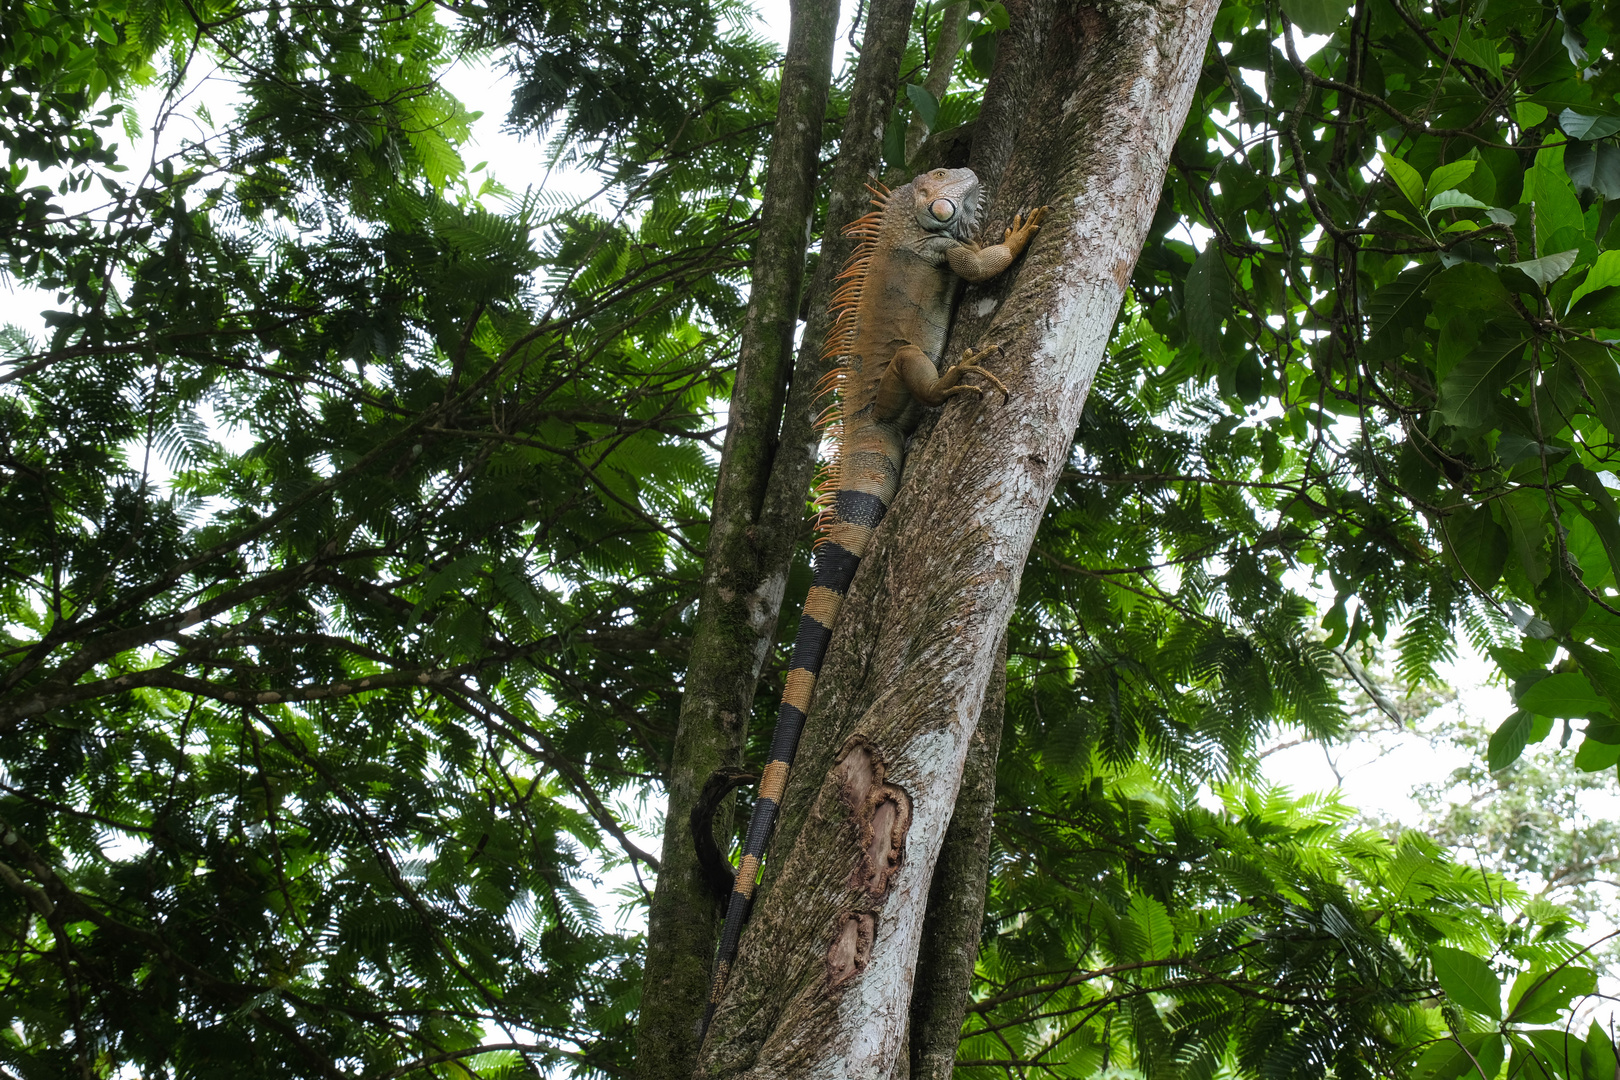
(970, 362)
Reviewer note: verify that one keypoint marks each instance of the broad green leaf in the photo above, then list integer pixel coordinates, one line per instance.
(1604, 273)
(1599, 377)
(1406, 178)
(1598, 1059)
(1539, 998)
(1523, 511)
(1547, 269)
(1451, 200)
(1560, 222)
(1567, 694)
(1467, 287)
(1447, 177)
(1595, 755)
(1475, 1055)
(1558, 1051)
(1601, 669)
(1470, 389)
(926, 105)
(1316, 16)
(1396, 308)
(1583, 126)
(1509, 740)
(1594, 168)
(1468, 980)
(1602, 514)
(1478, 544)
(1209, 301)
(1561, 597)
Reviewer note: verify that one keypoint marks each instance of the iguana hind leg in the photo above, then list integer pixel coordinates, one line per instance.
(912, 371)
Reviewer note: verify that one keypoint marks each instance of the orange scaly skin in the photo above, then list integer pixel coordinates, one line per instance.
(893, 312)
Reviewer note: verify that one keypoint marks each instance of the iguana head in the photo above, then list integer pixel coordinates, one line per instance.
(947, 202)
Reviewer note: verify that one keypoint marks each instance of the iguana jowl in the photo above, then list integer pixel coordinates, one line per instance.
(893, 312)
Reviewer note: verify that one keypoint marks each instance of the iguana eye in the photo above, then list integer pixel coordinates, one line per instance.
(942, 209)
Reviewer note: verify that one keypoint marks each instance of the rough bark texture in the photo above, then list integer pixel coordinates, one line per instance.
(745, 577)
(951, 928)
(823, 983)
(759, 518)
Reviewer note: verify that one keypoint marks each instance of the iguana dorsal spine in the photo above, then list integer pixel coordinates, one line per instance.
(892, 312)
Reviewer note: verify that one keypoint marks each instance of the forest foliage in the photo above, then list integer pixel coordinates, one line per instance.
(353, 508)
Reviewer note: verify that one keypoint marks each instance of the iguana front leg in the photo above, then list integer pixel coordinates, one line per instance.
(981, 264)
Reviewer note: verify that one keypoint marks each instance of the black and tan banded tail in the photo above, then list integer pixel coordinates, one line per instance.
(855, 515)
(856, 488)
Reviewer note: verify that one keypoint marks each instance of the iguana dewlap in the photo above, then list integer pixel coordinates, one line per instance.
(893, 312)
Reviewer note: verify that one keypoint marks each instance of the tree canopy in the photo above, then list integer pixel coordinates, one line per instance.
(353, 510)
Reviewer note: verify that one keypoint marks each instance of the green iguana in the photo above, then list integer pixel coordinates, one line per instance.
(892, 314)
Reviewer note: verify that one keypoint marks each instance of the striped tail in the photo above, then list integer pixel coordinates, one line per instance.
(855, 515)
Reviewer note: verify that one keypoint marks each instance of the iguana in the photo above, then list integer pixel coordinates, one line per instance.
(891, 315)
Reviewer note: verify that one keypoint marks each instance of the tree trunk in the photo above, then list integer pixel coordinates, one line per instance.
(822, 987)
(759, 513)
(743, 583)
(951, 928)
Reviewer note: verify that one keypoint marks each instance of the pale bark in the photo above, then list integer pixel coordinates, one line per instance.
(823, 984)
(955, 919)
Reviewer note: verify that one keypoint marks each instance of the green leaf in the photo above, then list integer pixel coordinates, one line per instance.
(1470, 389)
(925, 103)
(1478, 544)
(1153, 924)
(1397, 307)
(1567, 694)
(1604, 274)
(1316, 16)
(1600, 379)
(1583, 126)
(1468, 980)
(1523, 511)
(1449, 176)
(1209, 301)
(1595, 755)
(1602, 669)
(1560, 222)
(1467, 287)
(1406, 178)
(1509, 740)
(1457, 1058)
(1547, 269)
(982, 53)
(1594, 168)
(1546, 996)
(1598, 1059)
(1451, 200)
(894, 141)
(1563, 600)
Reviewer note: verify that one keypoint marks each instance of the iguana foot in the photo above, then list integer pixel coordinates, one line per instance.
(1024, 227)
(970, 362)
